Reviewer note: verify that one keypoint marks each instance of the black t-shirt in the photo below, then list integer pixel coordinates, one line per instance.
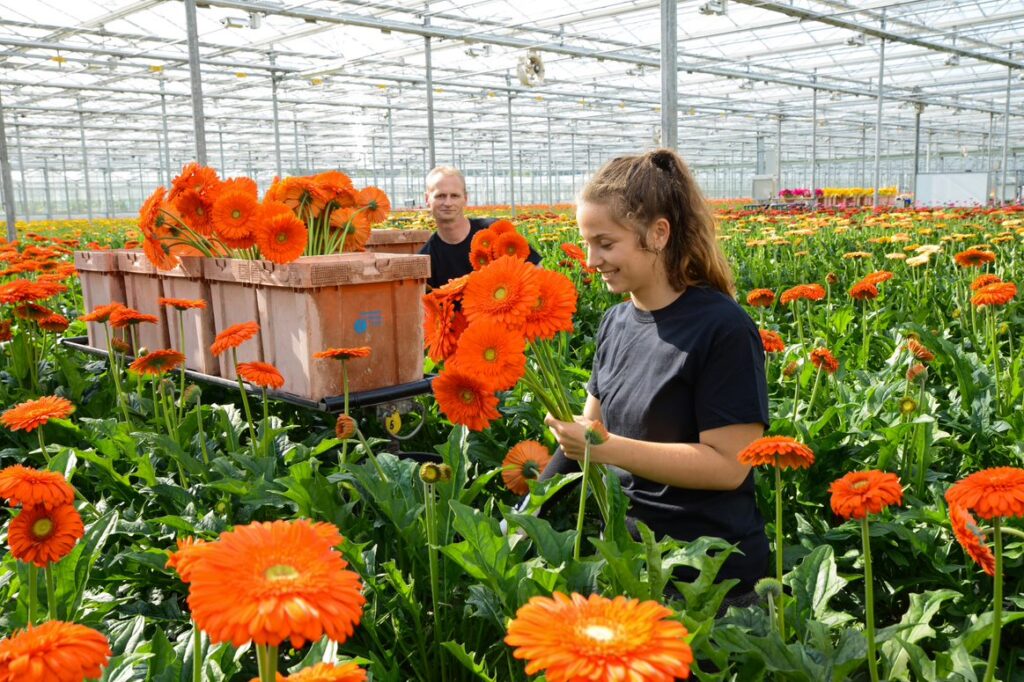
(665, 376)
(448, 261)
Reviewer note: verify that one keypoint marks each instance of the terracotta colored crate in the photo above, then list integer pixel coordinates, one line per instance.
(347, 300)
(397, 241)
(102, 284)
(186, 281)
(232, 284)
(143, 287)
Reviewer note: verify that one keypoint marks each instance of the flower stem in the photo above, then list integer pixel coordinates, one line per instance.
(197, 653)
(33, 587)
(42, 445)
(869, 601)
(583, 503)
(245, 404)
(778, 548)
(814, 393)
(995, 357)
(51, 592)
(997, 604)
(430, 513)
(344, 393)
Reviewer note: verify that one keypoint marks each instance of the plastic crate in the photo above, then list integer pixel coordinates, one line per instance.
(102, 284)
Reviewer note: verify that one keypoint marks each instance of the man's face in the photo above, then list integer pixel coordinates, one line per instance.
(447, 199)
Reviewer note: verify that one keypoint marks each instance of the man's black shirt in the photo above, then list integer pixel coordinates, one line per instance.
(448, 261)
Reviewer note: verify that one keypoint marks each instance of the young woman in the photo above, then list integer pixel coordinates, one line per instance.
(678, 377)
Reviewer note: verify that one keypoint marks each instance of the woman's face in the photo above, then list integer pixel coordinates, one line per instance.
(615, 251)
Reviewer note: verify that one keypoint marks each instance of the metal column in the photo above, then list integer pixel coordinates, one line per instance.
(669, 76)
(572, 157)
(23, 185)
(6, 183)
(494, 173)
(166, 160)
(46, 189)
(878, 118)
(989, 170)
(918, 108)
(295, 127)
(511, 160)
(551, 170)
(109, 189)
(373, 158)
(1006, 135)
(430, 92)
(391, 150)
(778, 160)
(223, 164)
(67, 185)
(277, 121)
(814, 141)
(85, 163)
(198, 121)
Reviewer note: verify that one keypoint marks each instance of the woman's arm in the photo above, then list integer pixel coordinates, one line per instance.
(710, 464)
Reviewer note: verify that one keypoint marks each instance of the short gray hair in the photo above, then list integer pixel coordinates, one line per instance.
(442, 171)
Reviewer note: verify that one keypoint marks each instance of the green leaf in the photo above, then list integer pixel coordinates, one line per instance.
(458, 651)
(815, 581)
(555, 547)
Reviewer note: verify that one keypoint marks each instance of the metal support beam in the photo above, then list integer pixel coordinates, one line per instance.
(67, 184)
(511, 158)
(295, 140)
(572, 164)
(430, 91)
(669, 76)
(85, 162)
(166, 161)
(918, 109)
(814, 142)
(778, 159)
(277, 121)
(197, 81)
(109, 189)
(46, 189)
(1006, 133)
(23, 185)
(551, 170)
(878, 118)
(223, 164)
(391, 151)
(6, 183)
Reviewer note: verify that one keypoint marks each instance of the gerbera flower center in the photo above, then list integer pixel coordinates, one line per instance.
(236, 214)
(599, 633)
(200, 211)
(282, 237)
(280, 572)
(859, 485)
(490, 355)
(42, 528)
(466, 396)
(500, 294)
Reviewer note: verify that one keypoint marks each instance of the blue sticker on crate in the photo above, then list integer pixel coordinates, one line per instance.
(367, 319)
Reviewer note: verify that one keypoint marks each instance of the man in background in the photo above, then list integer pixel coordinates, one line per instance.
(449, 246)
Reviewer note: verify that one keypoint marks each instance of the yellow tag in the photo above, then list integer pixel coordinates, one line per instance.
(393, 423)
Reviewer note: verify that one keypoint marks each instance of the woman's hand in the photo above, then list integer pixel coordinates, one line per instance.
(572, 437)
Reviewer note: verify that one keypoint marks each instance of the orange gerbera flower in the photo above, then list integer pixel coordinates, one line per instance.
(150, 211)
(554, 308)
(234, 213)
(999, 293)
(499, 227)
(863, 291)
(189, 551)
(810, 292)
(157, 362)
(781, 451)
(344, 427)
(440, 329)
(919, 350)
(916, 370)
(575, 252)
(234, 336)
(55, 323)
(484, 241)
(101, 313)
(124, 317)
(504, 291)
(575, 638)
(525, 460)
(990, 492)
(356, 225)
(54, 652)
(271, 582)
(196, 210)
(761, 298)
(32, 311)
(877, 278)
(182, 303)
(480, 258)
(771, 341)
(343, 353)
(512, 244)
(974, 258)
(824, 360)
(202, 180)
(487, 351)
(31, 414)
(5, 330)
(262, 374)
(982, 280)
(970, 537)
(860, 493)
(282, 238)
(329, 672)
(43, 536)
(374, 203)
(24, 291)
(22, 486)
(159, 254)
(465, 399)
